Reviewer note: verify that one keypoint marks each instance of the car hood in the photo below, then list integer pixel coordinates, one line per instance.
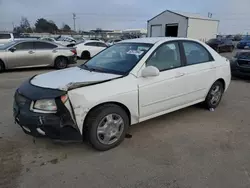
(71, 78)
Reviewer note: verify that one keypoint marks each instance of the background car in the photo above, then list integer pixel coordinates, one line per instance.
(244, 43)
(221, 45)
(112, 41)
(50, 39)
(89, 48)
(240, 64)
(237, 38)
(6, 37)
(21, 54)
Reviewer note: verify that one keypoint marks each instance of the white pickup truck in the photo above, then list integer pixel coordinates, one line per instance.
(6, 37)
(9, 37)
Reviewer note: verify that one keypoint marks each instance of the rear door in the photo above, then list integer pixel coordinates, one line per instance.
(93, 48)
(101, 46)
(200, 70)
(24, 55)
(44, 53)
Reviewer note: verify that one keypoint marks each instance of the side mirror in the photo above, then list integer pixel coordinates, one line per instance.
(12, 49)
(150, 71)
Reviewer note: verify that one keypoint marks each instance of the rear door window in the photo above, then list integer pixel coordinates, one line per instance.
(44, 45)
(91, 44)
(5, 36)
(195, 53)
(100, 44)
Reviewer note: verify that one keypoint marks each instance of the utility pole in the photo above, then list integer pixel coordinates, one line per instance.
(74, 19)
(13, 25)
(210, 15)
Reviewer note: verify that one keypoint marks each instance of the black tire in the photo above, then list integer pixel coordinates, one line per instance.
(2, 67)
(210, 102)
(61, 63)
(85, 55)
(96, 117)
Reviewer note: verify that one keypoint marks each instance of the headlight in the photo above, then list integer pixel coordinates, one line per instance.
(45, 105)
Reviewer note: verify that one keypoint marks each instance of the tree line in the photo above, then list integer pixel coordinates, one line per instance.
(41, 26)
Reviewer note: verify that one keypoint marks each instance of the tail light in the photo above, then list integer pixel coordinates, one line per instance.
(74, 51)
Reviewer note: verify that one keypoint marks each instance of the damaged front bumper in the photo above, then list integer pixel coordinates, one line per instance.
(59, 125)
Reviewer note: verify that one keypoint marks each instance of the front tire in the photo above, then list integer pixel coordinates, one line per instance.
(106, 127)
(61, 63)
(214, 95)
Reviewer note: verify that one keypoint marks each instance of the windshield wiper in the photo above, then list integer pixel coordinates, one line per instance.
(91, 69)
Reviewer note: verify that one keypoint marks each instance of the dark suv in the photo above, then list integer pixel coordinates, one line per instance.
(240, 64)
(221, 45)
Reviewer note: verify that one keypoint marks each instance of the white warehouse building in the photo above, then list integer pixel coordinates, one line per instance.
(180, 24)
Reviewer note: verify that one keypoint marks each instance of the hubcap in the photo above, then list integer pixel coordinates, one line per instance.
(61, 63)
(216, 95)
(110, 129)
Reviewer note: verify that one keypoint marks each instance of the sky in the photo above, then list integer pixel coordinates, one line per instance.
(122, 14)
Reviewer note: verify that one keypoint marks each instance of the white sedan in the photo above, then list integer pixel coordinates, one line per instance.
(89, 48)
(62, 42)
(129, 82)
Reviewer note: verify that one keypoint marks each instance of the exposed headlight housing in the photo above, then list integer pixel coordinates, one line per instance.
(44, 106)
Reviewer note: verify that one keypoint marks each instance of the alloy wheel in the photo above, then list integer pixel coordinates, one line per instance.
(216, 94)
(110, 129)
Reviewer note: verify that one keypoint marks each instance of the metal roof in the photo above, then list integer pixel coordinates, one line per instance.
(186, 15)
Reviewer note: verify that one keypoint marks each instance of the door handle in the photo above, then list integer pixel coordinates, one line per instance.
(179, 75)
(54, 51)
(31, 52)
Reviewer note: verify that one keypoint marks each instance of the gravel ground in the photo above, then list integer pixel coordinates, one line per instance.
(190, 148)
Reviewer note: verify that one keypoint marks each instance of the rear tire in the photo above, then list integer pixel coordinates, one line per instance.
(106, 133)
(61, 63)
(214, 95)
(2, 66)
(85, 55)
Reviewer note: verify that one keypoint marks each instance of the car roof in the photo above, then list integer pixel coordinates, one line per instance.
(153, 40)
(32, 40)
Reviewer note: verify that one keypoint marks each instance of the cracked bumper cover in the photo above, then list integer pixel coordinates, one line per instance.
(59, 125)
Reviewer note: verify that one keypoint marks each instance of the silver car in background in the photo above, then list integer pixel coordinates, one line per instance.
(35, 53)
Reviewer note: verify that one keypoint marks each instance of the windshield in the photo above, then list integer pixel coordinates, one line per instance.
(243, 55)
(118, 59)
(7, 45)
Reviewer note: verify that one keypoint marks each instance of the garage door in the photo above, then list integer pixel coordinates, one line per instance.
(156, 31)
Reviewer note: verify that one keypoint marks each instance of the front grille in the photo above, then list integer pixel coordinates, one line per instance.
(21, 100)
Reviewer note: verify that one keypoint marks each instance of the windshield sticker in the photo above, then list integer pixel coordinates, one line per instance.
(135, 52)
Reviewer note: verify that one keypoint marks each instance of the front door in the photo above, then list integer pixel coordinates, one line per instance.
(23, 56)
(166, 91)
